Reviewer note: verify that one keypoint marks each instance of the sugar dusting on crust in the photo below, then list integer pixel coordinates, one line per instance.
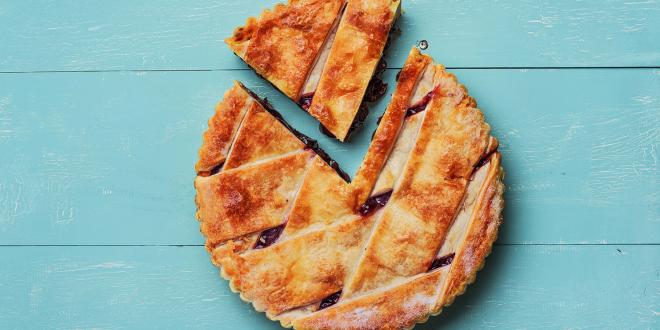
(417, 306)
(491, 215)
(413, 306)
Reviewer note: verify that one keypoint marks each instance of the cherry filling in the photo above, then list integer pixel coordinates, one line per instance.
(420, 105)
(325, 131)
(442, 261)
(215, 170)
(306, 101)
(485, 159)
(330, 300)
(374, 203)
(376, 89)
(268, 237)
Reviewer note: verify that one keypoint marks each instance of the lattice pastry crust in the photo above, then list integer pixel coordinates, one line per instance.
(322, 54)
(384, 251)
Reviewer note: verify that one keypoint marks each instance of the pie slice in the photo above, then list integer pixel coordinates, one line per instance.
(323, 54)
(385, 250)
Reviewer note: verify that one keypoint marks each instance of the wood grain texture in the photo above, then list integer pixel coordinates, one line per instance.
(130, 35)
(107, 158)
(540, 287)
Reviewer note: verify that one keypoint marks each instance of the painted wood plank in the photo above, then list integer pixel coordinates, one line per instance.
(540, 287)
(127, 35)
(107, 158)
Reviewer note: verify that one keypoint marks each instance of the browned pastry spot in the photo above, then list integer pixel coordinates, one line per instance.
(247, 199)
(330, 300)
(374, 203)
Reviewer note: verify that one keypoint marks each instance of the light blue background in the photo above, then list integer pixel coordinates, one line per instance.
(102, 107)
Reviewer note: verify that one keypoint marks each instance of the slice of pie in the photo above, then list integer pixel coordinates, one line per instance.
(312, 249)
(323, 54)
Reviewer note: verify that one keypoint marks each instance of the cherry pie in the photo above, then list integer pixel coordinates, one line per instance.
(385, 250)
(323, 54)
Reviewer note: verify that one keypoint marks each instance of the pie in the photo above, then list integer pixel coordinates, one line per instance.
(313, 249)
(323, 54)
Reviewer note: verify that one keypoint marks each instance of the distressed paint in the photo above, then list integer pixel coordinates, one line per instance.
(107, 158)
(130, 35)
(540, 287)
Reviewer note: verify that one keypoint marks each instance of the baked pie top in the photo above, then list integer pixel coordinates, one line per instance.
(397, 243)
(322, 54)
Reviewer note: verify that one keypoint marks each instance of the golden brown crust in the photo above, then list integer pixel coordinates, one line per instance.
(241, 201)
(298, 271)
(481, 234)
(399, 155)
(241, 37)
(392, 308)
(357, 48)
(452, 138)
(440, 205)
(414, 299)
(222, 128)
(404, 244)
(390, 125)
(324, 198)
(427, 197)
(283, 43)
(261, 136)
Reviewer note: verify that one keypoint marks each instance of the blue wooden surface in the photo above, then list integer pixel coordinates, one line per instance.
(96, 166)
(127, 34)
(105, 158)
(536, 287)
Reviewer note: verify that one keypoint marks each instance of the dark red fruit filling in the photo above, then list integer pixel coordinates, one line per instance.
(376, 89)
(442, 261)
(381, 66)
(306, 101)
(215, 170)
(485, 159)
(330, 300)
(420, 105)
(268, 237)
(360, 117)
(325, 131)
(374, 203)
